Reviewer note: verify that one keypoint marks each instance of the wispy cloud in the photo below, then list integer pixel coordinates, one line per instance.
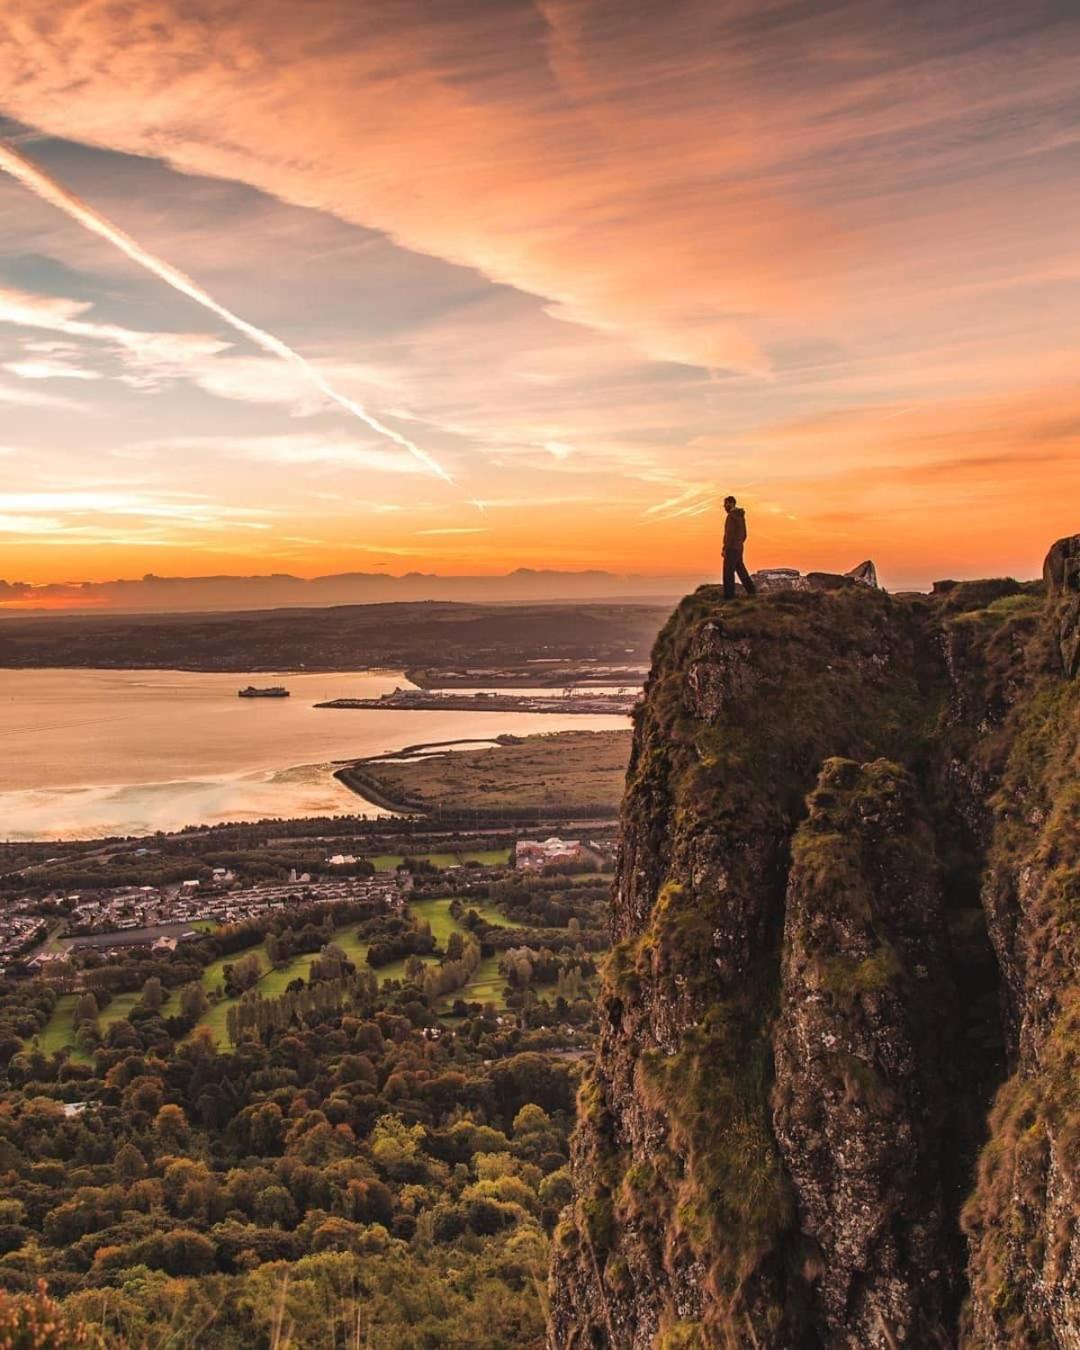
(82, 512)
(331, 450)
(822, 256)
(49, 370)
(695, 500)
(458, 529)
(33, 177)
(159, 354)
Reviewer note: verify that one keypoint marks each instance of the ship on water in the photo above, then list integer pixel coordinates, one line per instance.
(271, 691)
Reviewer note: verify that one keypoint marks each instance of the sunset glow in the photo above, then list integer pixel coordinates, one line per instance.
(601, 262)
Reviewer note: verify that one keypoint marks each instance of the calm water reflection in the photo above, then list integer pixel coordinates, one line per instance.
(86, 753)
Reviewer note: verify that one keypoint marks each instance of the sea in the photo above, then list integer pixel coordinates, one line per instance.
(88, 754)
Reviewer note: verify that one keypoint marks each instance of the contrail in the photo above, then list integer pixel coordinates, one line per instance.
(49, 190)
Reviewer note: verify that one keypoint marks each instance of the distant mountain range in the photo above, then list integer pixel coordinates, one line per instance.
(153, 594)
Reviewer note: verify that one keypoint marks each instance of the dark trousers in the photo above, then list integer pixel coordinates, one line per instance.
(735, 567)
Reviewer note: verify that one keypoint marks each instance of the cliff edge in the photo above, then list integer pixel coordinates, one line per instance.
(836, 1100)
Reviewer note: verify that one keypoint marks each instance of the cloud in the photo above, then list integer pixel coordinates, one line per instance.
(702, 179)
(152, 355)
(33, 398)
(808, 253)
(564, 177)
(55, 193)
(333, 450)
(49, 370)
(88, 515)
(694, 500)
(457, 529)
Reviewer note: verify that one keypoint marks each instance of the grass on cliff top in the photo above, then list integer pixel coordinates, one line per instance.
(791, 679)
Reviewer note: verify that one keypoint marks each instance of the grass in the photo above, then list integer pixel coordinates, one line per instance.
(120, 1006)
(443, 923)
(492, 857)
(485, 986)
(564, 770)
(58, 1031)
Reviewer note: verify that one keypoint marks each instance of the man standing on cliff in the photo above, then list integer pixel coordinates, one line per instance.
(734, 539)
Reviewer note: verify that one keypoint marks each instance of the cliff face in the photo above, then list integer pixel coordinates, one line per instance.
(861, 1053)
(844, 920)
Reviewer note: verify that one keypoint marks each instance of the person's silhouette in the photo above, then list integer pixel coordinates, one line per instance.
(734, 541)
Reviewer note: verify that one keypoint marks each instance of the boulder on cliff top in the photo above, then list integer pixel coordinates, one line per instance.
(865, 574)
(791, 579)
(1061, 569)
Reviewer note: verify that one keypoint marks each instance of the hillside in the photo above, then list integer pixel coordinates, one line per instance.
(835, 1098)
(352, 637)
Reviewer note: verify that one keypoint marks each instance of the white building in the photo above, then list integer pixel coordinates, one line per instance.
(538, 853)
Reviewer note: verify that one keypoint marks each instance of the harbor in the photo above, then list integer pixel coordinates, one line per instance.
(570, 701)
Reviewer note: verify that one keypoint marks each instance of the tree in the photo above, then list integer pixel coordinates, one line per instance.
(267, 1129)
(242, 975)
(86, 1010)
(36, 1320)
(274, 1207)
(153, 996)
(171, 1126)
(180, 1252)
(193, 1002)
(395, 1147)
(129, 1164)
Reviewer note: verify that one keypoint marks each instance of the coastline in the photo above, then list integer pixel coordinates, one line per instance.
(367, 790)
(516, 772)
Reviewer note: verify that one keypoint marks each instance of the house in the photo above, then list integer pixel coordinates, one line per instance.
(46, 959)
(537, 853)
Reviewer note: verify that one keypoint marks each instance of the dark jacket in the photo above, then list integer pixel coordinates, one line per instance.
(735, 529)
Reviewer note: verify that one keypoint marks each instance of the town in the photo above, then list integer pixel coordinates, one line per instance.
(41, 935)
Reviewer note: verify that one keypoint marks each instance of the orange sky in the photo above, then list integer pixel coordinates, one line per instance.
(605, 260)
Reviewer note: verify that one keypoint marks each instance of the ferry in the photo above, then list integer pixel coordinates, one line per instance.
(272, 691)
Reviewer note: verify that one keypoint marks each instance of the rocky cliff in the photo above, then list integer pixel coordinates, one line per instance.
(836, 1099)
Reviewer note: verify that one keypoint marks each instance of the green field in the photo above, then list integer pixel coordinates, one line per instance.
(485, 986)
(120, 1006)
(497, 857)
(58, 1030)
